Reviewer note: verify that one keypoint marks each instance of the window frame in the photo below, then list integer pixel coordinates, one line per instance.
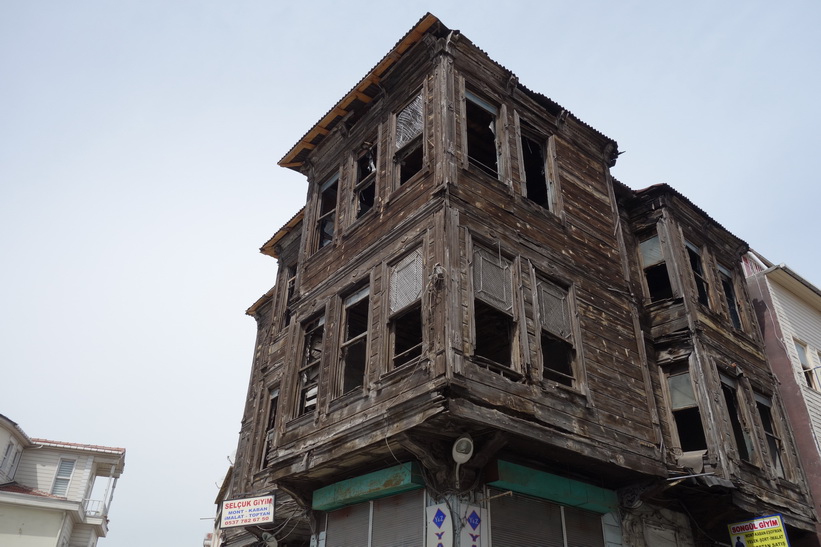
(323, 238)
(566, 334)
(681, 369)
(411, 146)
(739, 421)
(695, 258)
(307, 362)
(361, 184)
(807, 369)
(403, 309)
(271, 437)
(731, 301)
(354, 299)
(472, 163)
(63, 490)
(773, 436)
(547, 147)
(655, 294)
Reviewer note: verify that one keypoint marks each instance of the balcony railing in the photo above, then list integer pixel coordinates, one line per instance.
(94, 508)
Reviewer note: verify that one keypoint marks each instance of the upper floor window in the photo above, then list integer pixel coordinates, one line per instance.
(493, 309)
(480, 122)
(354, 339)
(728, 288)
(409, 128)
(270, 425)
(326, 213)
(685, 410)
(655, 269)
(536, 169)
(405, 320)
(11, 456)
(774, 444)
(556, 334)
(806, 367)
(308, 377)
(729, 388)
(697, 267)
(365, 187)
(289, 293)
(61, 481)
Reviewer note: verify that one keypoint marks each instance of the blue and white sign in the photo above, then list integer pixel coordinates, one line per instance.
(473, 527)
(439, 525)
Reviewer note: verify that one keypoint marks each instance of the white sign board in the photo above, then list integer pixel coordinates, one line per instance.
(473, 527)
(439, 526)
(247, 512)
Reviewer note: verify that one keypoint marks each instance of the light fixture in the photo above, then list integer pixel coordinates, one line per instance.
(269, 540)
(462, 452)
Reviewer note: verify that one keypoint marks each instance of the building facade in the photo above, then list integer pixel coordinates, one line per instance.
(54, 494)
(478, 336)
(789, 315)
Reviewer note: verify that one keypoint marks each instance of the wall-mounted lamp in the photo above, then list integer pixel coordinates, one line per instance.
(462, 452)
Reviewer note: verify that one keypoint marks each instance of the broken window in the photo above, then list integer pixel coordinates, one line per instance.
(314, 332)
(409, 126)
(326, 219)
(481, 134)
(270, 425)
(774, 445)
(290, 292)
(702, 287)
(538, 186)
(655, 269)
(729, 388)
(405, 322)
(493, 309)
(686, 414)
(728, 289)
(365, 187)
(354, 339)
(806, 368)
(556, 336)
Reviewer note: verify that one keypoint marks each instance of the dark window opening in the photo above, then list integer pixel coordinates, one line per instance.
(409, 126)
(309, 372)
(407, 336)
(290, 292)
(354, 345)
(698, 275)
(741, 439)
(686, 413)
(533, 157)
(557, 358)
(481, 137)
(655, 270)
(494, 334)
(326, 221)
(365, 188)
(729, 296)
(773, 440)
(271, 422)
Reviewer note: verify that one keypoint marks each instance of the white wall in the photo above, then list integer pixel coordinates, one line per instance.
(38, 467)
(29, 527)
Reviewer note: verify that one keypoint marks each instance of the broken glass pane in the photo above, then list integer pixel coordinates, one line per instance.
(409, 122)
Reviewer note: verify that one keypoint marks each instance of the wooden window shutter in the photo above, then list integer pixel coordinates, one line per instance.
(406, 281)
(553, 310)
(492, 279)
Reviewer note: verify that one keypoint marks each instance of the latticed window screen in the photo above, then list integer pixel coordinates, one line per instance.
(492, 279)
(406, 281)
(409, 122)
(64, 471)
(553, 312)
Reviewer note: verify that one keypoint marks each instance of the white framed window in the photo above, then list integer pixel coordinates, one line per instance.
(807, 369)
(63, 477)
(11, 456)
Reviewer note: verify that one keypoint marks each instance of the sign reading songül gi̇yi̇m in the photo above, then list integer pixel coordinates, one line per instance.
(248, 511)
(761, 532)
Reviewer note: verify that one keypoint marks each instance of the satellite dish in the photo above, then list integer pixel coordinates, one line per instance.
(269, 540)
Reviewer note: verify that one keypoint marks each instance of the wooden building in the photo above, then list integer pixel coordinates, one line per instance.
(471, 315)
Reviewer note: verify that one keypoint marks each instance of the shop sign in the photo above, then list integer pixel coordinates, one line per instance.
(761, 532)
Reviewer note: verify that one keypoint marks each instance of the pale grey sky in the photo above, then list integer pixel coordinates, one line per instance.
(138, 178)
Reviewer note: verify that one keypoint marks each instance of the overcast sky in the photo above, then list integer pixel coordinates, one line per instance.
(138, 179)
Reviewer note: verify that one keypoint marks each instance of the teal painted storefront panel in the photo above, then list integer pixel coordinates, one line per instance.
(525, 480)
(385, 482)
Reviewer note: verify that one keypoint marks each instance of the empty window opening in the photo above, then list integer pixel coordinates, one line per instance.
(309, 371)
(556, 338)
(728, 289)
(365, 188)
(355, 340)
(409, 129)
(742, 440)
(493, 309)
(686, 413)
(806, 368)
(61, 481)
(290, 292)
(655, 269)
(406, 309)
(535, 172)
(702, 287)
(774, 445)
(481, 134)
(326, 221)
(270, 426)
